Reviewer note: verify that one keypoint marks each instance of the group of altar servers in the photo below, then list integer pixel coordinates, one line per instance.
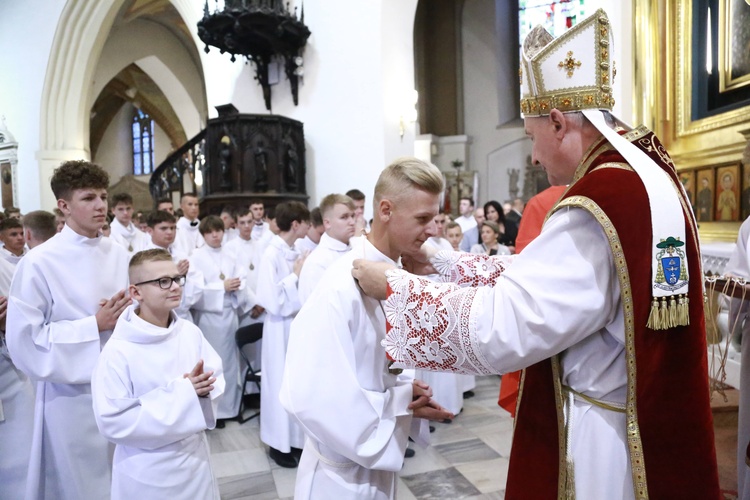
(87, 365)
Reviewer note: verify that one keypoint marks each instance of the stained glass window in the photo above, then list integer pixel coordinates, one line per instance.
(143, 143)
(556, 16)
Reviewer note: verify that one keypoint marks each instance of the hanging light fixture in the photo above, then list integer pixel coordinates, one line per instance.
(261, 31)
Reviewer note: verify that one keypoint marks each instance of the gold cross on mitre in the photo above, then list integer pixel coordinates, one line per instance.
(569, 64)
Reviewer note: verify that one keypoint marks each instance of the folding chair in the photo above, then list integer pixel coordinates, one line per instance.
(246, 335)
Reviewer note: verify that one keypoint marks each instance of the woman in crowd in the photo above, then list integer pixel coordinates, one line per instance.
(489, 231)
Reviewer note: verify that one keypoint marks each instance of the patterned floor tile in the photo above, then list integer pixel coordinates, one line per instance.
(440, 484)
(461, 452)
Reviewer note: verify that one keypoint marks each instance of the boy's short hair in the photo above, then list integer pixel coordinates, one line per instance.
(291, 211)
(334, 199)
(159, 216)
(453, 224)
(41, 223)
(242, 211)
(77, 174)
(188, 195)
(120, 198)
(355, 194)
(316, 219)
(408, 172)
(255, 201)
(58, 212)
(211, 223)
(469, 199)
(142, 257)
(164, 200)
(12, 210)
(10, 223)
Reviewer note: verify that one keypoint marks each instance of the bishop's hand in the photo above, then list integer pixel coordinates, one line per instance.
(371, 277)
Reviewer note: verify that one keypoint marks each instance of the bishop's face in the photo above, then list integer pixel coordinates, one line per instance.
(547, 149)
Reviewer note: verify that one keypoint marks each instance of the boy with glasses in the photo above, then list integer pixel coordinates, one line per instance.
(157, 417)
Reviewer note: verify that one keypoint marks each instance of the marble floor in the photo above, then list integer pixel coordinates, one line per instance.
(466, 459)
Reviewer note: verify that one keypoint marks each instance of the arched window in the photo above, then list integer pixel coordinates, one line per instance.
(555, 15)
(143, 143)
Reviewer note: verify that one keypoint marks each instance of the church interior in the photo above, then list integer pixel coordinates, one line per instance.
(174, 96)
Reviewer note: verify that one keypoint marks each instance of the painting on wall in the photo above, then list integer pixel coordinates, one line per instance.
(734, 51)
(704, 200)
(727, 193)
(687, 178)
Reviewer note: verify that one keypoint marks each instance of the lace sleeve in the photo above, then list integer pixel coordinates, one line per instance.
(469, 269)
(430, 325)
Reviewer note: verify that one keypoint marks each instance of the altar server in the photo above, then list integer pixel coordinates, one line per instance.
(356, 412)
(59, 317)
(277, 293)
(124, 231)
(155, 391)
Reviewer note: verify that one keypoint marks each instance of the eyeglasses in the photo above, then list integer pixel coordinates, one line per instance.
(165, 283)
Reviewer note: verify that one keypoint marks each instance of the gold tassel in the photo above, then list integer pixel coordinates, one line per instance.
(686, 311)
(664, 310)
(653, 315)
(673, 313)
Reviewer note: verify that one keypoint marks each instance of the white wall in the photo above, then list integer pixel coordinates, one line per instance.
(115, 151)
(354, 75)
(24, 60)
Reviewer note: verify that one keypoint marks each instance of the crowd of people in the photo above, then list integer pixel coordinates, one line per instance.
(371, 328)
(107, 278)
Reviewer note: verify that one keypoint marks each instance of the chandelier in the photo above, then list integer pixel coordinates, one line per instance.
(263, 32)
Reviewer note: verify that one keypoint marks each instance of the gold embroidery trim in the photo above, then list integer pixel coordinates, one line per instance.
(635, 446)
(562, 438)
(617, 165)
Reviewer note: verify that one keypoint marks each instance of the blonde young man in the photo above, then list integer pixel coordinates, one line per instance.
(155, 390)
(356, 412)
(337, 211)
(59, 317)
(603, 310)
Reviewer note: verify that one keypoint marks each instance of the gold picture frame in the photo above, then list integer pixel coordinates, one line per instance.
(685, 125)
(663, 98)
(734, 47)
